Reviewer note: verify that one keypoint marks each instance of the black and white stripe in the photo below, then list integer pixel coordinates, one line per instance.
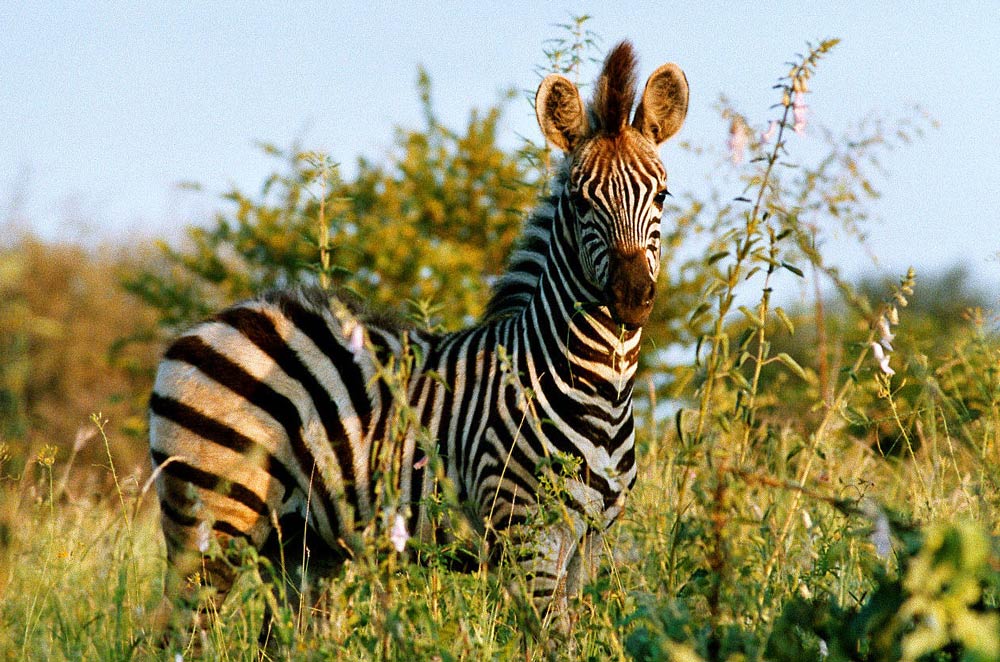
(277, 409)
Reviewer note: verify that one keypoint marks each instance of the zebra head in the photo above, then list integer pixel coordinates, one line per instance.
(617, 183)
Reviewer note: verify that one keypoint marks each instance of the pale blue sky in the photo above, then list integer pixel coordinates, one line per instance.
(105, 107)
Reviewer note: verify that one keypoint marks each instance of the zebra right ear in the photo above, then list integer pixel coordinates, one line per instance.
(560, 112)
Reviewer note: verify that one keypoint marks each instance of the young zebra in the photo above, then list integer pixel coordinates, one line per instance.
(265, 419)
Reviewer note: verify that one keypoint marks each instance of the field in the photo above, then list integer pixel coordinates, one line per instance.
(815, 483)
(729, 552)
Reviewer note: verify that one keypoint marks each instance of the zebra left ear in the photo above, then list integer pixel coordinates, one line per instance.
(664, 104)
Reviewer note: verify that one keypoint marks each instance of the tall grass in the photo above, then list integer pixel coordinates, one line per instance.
(708, 560)
(722, 570)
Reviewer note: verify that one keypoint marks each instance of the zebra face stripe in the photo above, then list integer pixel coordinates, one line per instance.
(615, 195)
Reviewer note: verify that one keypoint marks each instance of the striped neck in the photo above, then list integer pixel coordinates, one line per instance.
(568, 312)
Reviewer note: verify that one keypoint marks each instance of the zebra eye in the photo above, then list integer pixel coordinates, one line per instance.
(660, 197)
(580, 203)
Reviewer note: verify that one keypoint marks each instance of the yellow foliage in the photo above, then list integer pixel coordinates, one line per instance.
(63, 316)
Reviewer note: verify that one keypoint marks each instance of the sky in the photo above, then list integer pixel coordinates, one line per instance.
(105, 108)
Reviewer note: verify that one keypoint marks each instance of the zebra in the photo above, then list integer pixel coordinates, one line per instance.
(267, 418)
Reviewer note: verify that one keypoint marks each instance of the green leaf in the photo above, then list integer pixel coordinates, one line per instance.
(785, 320)
(792, 365)
(795, 270)
(698, 312)
(715, 257)
(752, 316)
(739, 379)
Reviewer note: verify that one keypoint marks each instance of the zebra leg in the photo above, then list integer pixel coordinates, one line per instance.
(202, 560)
(583, 565)
(195, 588)
(298, 560)
(546, 557)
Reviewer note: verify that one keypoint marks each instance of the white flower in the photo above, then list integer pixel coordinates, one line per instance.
(806, 520)
(84, 433)
(885, 333)
(824, 650)
(398, 534)
(881, 535)
(882, 358)
(204, 536)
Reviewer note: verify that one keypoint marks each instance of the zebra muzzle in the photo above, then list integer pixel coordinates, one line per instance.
(630, 289)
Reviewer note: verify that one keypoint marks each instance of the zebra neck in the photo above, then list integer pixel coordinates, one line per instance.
(574, 328)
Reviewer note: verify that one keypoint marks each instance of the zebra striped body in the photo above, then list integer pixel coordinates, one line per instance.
(278, 408)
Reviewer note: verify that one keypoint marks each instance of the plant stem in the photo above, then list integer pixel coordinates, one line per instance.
(817, 436)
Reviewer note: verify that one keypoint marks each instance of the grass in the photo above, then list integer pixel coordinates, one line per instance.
(704, 562)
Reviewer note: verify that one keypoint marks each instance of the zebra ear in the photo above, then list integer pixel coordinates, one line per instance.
(664, 104)
(560, 113)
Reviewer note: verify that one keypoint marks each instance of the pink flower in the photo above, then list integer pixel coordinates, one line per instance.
(357, 342)
(737, 141)
(421, 463)
(398, 535)
(882, 358)
(772, 128)
(799, 110)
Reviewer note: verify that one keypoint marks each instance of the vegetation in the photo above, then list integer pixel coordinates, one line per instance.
(815, 483)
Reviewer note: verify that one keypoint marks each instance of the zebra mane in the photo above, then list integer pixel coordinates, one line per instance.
(318, 299)
(514, 288)
(615, 91)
